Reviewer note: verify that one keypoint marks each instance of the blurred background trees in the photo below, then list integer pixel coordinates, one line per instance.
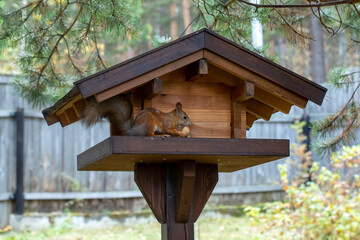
(49, 44)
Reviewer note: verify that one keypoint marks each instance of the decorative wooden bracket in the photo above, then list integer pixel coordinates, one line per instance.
(151, 179)
(250, 119)
(242, 93)
(51, 119)
(259, 109)
(151, 90)
(197, 70)
(206, 180)
(71, 114)
(248, 102)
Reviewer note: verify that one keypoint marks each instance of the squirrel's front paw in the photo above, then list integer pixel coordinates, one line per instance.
(163, 135)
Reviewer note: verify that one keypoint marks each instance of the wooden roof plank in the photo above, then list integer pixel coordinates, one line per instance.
(208, 40)
(242, 73)
(138, 66)
(264, 67)
(138, 81)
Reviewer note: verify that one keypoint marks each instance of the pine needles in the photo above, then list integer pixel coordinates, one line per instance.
(58, 41)
(339, 128)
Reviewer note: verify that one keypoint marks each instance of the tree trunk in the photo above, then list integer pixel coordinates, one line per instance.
(173, 24)
(318, 69)
(281, 49)
(186, 16)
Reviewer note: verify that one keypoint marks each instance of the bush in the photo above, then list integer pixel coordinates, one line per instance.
(328, 207)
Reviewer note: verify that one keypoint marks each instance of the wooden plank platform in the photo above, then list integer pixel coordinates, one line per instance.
(120, 153)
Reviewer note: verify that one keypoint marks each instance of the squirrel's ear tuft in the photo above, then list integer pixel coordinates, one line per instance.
(178, 107)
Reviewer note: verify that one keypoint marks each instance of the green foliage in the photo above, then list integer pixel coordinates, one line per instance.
(327, 208)
(339, 128)
(340, 77)
(233, 21)
(55, 36)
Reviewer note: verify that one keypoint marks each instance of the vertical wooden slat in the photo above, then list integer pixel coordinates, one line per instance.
(19, 193)
(238, 120)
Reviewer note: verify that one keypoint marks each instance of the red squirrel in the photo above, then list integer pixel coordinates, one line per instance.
(149, 122)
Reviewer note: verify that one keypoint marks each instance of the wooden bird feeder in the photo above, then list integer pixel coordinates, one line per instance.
(222, 86)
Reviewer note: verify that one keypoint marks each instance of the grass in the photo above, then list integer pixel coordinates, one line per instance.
(225, 227)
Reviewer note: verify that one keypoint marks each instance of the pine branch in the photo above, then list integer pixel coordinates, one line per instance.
(56, 46)
(76, 67)
(329, 121)
(311, 5)
(344, 134)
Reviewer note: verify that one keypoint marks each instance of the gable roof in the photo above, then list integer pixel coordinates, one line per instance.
(219, 51)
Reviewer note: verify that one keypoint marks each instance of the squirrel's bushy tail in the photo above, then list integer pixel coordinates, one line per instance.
(118, 110)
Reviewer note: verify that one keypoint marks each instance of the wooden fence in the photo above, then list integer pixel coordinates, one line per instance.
(50, 156)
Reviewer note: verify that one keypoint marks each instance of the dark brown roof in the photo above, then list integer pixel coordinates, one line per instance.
(200, 40)
(203, 39)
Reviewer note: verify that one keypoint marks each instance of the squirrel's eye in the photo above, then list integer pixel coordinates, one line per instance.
(184, 117)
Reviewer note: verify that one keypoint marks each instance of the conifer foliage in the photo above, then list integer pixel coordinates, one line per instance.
(53, 34)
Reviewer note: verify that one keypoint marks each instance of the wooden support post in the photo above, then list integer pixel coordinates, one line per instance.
(173, 230)
(185, 182)
(238, 120)
(176, 194)
(19, 193)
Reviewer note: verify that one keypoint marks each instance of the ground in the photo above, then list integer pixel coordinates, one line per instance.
(210, 226)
